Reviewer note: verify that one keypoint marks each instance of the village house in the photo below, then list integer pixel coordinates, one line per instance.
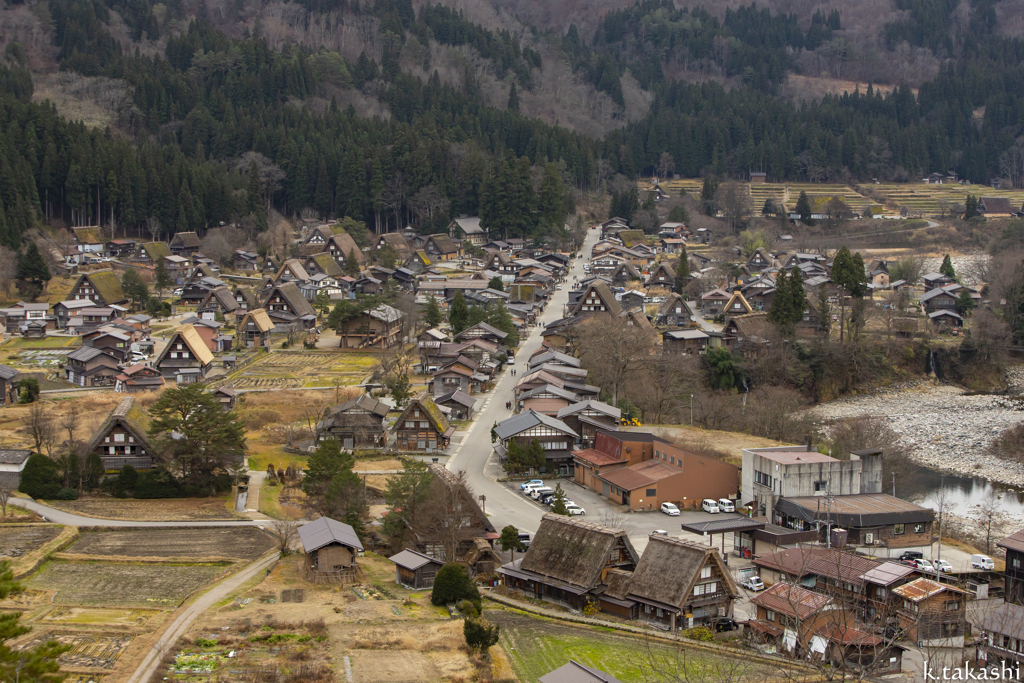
(459, 404)
(12, 464)
(111, 340)
(342, 247)
(254, 330)
(322, 264)
(936, 280)
(1013, 545)
(554, 436)
(932, 614)
(642, 470)
(330, 549)
(89, 240)
(198, 288)
(468, 229)
(789, 472)
(1001, 638)
(285, 305)
(791, 617)
(882, 524)
(546, 399)
(63, 311)
(679, 584)
(123, 438)
(186, 244)
(245, 260)
(219, 301)
(462, 374)
(186, 358)
(360, 422)
(587, 417)
(712, 303)
(939, 299)
(482, 331)
(138, 377)
(736, 306)
(441, 247)
(623, 274)
(9, 385)
(568, 560)
(684, 342)
(996, 207)
(397, 242)
(150, 253)
(422, 427)
(596, 298)
(226, 397)
(379, 328)
(631, 299)
(92, 367)
(102, 287)
(673, 312)
(414, 570)
(662, 276)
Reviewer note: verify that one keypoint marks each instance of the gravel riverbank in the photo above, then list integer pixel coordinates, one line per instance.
(945, 429)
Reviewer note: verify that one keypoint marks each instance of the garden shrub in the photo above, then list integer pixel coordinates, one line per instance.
(452, 585)
(67, 494)
(39, 478)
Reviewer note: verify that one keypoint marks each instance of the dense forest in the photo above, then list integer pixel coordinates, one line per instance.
(215, 129)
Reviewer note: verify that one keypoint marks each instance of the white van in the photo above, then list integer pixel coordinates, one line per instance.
(538, 492)
(710, 505)
(982, 562)
(725, 505)
(529, 486)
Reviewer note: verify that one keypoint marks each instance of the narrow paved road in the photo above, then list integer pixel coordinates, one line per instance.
(62, 517)
(474, 453)
(204, 602)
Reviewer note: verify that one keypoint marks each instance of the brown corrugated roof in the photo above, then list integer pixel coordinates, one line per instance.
(921, 589)
(793, 601)
(596, 457)
(640, 475)
(797, 562)
(1013, 542)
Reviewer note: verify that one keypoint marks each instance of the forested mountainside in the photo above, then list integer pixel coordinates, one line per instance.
(386, 112)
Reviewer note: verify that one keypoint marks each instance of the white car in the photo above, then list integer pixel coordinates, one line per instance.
(670, 509)
(575, 509)
(923, 565)
(726, 505)
(753, 583)
(532, 482)
(943, 566)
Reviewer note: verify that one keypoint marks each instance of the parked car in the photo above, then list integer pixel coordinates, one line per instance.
(982, 562)
(575, 509)
(538, 482)
(710, 506)
(528, 489)
(726, 505)
(752, 583)
(943, 566)
(670, 509)
(558, 287)
(179, 291)
(722, 624)
(540, 491)
(659, 532)
(524, 539)
(911, 555)
(923, 565)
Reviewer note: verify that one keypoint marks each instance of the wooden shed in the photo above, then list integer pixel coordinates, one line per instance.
(330, 548)
(415, 570)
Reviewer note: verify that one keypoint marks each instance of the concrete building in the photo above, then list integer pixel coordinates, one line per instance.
(789, 472)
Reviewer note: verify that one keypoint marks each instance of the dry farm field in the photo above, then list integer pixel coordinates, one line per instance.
(295, 369)
(246, 543)
(121, 584)
(161, 510)
(15, 541)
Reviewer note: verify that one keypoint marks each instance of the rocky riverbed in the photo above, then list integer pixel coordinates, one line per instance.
(946, 429)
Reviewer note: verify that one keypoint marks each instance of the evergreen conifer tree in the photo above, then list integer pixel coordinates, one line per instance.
(32, 273)
(458, 314)
(513, 98)
(432, 313)
(947, 267)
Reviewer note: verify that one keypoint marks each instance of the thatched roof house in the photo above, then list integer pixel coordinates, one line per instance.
(123, 438)
(102, 287)
(675, 578)
(186, 358)
(568, 560)
(359, 422)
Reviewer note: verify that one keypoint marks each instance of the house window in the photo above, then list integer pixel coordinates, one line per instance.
(881, 593)
(118, 438)
(769, 615)
(898, 529)
(821, 486)
(705, 572)
(919, 528)
(672, 460)
(1015, 562)
(652, 492)
(952, 605)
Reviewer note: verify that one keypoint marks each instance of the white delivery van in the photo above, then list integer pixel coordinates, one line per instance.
(710, 505)
(982, 562)
(725, 505)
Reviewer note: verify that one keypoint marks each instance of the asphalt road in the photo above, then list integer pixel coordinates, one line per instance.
(69, 518)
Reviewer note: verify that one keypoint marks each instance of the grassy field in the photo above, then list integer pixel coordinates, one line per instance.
(536, 646)
(242, 544)
(295, 369)
(48, 343)
(122, 585)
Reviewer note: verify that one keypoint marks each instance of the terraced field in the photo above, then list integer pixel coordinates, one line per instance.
(295, 369)
(122, 585)
(243, 544)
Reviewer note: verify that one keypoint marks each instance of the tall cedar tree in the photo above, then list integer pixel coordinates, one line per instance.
(134, 287)
(190, 428)
(789, 302)
(947, 267)
(406, 496)
(458, 314)
(332, 488)
(851, 278)
(558, 501)
(31, 274)
(803, 208)
(162, 279)
(513, 98)
(970, 207)
(964, 302)
(509, 541)
(496, 284)
(352, 263)
(432, 312)
(682, 270)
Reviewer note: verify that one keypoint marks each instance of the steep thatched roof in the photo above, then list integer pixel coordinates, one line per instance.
(617, 582)
(156, 250)
(196, 346)
(347, 245)
(129, 415)
(437, 419)
(106, 283)
(89, 235)
(669, 569)
(443, 243)
(259, 317)
(189, 240)
(249, 296)
(602, 292)
(325, 263)
(571, 551)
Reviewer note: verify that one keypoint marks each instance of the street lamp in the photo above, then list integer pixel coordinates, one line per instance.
(691, 410)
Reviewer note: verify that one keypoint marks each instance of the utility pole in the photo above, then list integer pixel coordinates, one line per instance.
(691, 410)
(942, 502)
(893, 484)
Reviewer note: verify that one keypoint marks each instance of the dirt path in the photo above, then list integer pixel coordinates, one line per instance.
(181, 623)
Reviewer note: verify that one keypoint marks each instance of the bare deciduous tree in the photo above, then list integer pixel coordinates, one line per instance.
(5, 495)
(285, 533)
(41, 426)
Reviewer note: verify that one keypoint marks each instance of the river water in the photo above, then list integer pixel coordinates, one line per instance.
(926, 487)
